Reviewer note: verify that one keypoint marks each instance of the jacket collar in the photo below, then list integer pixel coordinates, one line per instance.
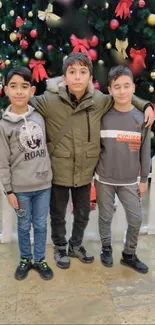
(57, 85)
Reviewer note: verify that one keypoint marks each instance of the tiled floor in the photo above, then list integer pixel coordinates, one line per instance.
(83, 294)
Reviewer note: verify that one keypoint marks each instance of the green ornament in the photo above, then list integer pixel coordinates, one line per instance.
(27, 25)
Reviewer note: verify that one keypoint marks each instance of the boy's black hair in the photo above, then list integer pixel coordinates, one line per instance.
(80, 58)
(119, 70)
(21, 71)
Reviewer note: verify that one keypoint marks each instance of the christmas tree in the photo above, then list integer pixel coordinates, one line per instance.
(41, 33)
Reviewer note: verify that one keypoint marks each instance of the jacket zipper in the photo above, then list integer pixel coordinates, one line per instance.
(88, 123)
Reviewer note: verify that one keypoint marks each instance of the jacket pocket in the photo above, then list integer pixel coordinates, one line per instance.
(93, 154)
(91, 161)
(61, 154)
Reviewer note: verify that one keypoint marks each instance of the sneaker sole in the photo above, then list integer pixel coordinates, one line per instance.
(20, 279)
(42, 277)
(131, 267)
(62, 266)
(107, 265)
(85, 262)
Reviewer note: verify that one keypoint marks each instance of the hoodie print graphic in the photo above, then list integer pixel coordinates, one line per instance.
(29, 136)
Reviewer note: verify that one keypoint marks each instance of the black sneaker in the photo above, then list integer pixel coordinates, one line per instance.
(81, 253)
(133, 262)
(43, 269)
(23, 268)
(106, 256)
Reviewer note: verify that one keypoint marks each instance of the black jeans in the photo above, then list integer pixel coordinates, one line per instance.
(58, 205)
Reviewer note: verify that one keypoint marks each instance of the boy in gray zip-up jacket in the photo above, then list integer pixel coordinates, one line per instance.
(25, 171)
(125, 155)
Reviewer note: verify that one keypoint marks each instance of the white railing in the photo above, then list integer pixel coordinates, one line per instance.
(8, 218)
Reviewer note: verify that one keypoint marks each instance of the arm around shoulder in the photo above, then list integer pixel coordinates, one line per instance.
(106, 104)
(145, 107)
(40, 103)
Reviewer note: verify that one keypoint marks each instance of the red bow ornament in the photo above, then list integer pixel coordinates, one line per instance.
(39, 72)
(80, 45)
(19, 21)
(138, 57)
(123, 8)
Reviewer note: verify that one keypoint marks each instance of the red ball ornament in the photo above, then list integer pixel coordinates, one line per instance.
(93, 41)
(92, 54)
(97, 85)
(114, 24)
(19, 35)
(24, 44)
(1, 92)
(141, 4)
(2, 65)
(33, 33)
(49, 47)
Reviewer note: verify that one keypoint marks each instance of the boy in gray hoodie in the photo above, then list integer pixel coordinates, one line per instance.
(125, 154)
(25, 170)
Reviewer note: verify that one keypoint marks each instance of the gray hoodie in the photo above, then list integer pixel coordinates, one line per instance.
(24, 159)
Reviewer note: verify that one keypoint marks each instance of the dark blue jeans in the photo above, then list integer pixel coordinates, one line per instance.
(34, 207)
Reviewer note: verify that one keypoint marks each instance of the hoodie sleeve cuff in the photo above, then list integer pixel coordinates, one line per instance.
(8, 188)
(143, 179)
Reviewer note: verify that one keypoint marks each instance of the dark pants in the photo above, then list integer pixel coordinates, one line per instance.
(58, 206)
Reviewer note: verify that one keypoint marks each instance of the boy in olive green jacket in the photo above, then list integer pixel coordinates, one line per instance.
(72, 109)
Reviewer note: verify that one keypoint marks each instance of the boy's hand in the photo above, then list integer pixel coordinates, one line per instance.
(149, 116)
(142, 188)
(13, 200)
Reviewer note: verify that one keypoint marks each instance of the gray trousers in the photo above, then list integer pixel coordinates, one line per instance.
(129, 197)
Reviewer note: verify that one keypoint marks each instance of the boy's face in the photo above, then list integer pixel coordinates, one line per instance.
(122, 90)
(77, 78)
(19, 91)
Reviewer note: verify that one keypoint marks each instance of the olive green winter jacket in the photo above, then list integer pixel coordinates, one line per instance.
(74, 158)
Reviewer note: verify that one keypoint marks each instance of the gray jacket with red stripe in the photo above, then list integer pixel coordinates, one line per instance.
(125, 148)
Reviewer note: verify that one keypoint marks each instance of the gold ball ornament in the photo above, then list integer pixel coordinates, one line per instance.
(19, 52)
(3, 27)
(151, 20)
(108, 46)
(106, 5)
(12, 13)
(30, 14)
(7, 62)
(13, 37)
(1, 4)
(152, 74)
(25, 59)
(38, 55)
(86, 6)
(151, 89)
(100, 62)
(1, 86)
